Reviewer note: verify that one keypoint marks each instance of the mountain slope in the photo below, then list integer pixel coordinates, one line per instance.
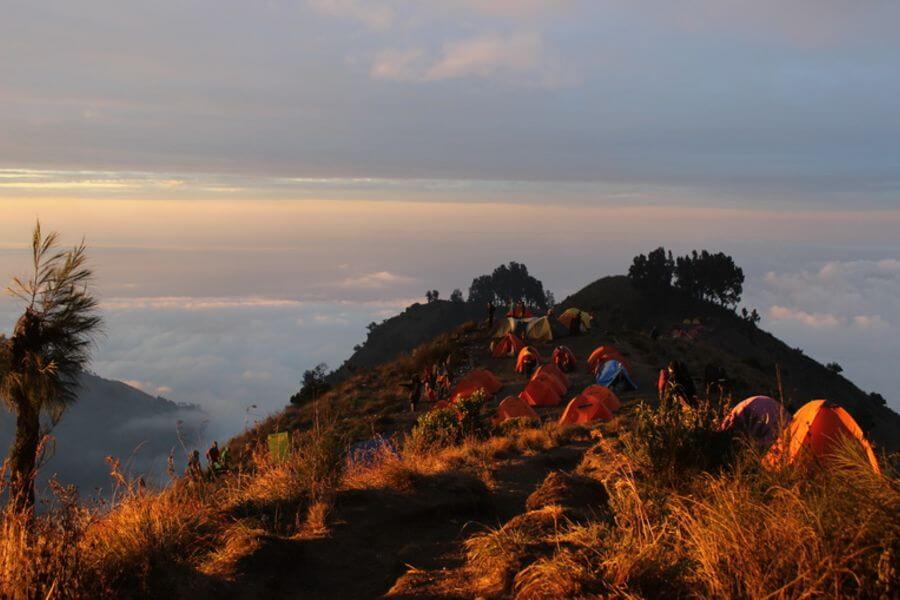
(731, 342)
(416, 325)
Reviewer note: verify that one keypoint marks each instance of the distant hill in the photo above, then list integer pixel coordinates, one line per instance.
(416, 325)
(112, 418)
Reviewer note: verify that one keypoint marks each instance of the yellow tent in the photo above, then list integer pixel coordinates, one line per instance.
(505, 326)
(575, 313)
(544, 330)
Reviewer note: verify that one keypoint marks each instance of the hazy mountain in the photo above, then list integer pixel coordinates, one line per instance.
(112, 418)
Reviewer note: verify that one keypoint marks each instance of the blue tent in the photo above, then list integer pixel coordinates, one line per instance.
(613, 374)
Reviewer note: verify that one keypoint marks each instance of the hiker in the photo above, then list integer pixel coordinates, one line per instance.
(661, 384)
(443, 381)
(575, 324)
(415, 391)
(490, 312)
(213, 456)
(680, 382)
(194, 470)
(529, 364)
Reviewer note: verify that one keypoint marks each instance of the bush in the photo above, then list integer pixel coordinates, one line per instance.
(468, 410)
(444, 427)
(673, 440)
(437, 428)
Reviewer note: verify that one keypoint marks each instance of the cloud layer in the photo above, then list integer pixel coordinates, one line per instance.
(840, 310)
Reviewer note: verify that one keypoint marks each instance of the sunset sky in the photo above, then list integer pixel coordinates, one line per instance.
(259, 180)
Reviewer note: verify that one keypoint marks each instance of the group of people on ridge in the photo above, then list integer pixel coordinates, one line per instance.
(215, 462)
(434, 382)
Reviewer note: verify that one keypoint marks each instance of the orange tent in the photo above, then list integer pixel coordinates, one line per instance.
(512, 407)
(606, 395)
(486, 378)
(480, 379)
(814, 434)
(605, 353)
(523, 353)
(508, 345)
(538, 393)
(564, 359)
(584, 409)
(554, 370)
(555, 384)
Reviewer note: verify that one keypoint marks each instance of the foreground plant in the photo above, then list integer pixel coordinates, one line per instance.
(40, 364)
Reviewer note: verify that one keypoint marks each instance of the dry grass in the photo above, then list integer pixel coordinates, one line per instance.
(742, 532)
(153, 543)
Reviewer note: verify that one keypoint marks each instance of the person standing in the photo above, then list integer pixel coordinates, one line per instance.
(213, 456)
(490, 312)
(415, 392)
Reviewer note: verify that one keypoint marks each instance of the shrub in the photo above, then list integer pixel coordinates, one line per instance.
(468, 410)
(674, 440)
(437, 428)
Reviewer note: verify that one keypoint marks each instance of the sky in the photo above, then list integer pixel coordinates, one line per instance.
(258, 181)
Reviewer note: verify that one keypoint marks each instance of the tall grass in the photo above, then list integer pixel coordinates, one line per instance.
(736, 532)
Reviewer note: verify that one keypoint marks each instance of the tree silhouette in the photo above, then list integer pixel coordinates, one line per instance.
(510, 282)
(50, 346)
(653, 272)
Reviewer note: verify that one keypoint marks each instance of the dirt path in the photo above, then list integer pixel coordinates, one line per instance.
(380, 536)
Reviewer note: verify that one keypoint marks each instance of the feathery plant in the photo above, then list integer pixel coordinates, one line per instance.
(50, 345)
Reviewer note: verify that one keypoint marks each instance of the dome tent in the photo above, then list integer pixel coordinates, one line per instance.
(813, 436)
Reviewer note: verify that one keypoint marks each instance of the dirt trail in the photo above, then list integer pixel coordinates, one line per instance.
(380, 535)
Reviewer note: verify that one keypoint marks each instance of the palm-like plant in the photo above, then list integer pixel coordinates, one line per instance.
(40, 363)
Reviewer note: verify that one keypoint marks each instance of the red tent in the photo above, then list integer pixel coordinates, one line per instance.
(564, 359)
(606, 395)
(553, 370)
(605, 353)
(512, 407)
(584, 409)
(527, 351)
(538, 393)
(508, 345)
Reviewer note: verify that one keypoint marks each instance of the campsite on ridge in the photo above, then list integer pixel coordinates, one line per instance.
(509, 450)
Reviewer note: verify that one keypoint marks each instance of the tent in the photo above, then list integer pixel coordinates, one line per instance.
(486, 378)
(584, 409)
(814, 434)
(553, 370)
(505, 327)
(526, 351)
(614, 374)
(538, 393)
(605, 353)
(564, 359)
(551, 381)
(471, 382)
(571, 314)
(760, 416)
(609, 398)
(279, 446)
(545, 330)
(513, 407)
(508, 345)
